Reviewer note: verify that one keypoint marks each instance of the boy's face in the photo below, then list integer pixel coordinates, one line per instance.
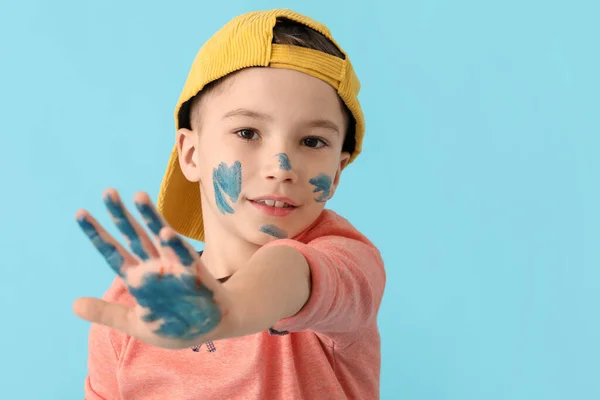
(266, 148)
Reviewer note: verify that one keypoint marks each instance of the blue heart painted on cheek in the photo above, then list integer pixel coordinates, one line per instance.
(227, 180)
(220, 199)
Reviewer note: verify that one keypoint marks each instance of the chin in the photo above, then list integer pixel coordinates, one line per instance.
(258, 238)
(261, 234)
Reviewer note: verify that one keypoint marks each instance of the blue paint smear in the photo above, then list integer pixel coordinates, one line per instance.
(181, 250)
(108, 251)
(125, 226)
(220, 199)
(284, 162)
(186, 308)
(227, 180)
(152, 219)
(322, 183)
(274, 231)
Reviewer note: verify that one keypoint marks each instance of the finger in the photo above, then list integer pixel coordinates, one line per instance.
(113, 315)
(153, 219)
(117, 257)
(139, 242)
(184, 253)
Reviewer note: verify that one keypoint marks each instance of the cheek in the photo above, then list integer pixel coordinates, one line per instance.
(222, 171)
(322, 187)
(227, 185)
(321, 181)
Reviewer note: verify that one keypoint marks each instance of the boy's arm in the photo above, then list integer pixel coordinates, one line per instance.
(334, 284)
(273, 285)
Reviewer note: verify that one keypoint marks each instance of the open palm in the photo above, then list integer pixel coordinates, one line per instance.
(178, 301)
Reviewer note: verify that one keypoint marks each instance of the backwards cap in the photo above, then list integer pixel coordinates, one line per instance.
(244, 42)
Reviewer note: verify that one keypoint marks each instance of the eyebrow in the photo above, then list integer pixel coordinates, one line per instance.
(244, 112)
(325, 124)
(316, 123)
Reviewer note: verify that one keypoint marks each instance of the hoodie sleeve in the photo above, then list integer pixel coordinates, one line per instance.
(348, 280)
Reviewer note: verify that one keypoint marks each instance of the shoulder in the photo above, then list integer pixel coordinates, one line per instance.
(334, 239)
(330, 226)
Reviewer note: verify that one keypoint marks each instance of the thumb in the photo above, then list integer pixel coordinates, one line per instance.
(98, 311)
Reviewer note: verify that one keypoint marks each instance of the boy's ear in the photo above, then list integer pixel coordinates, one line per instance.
(187, 147)
(343, 163)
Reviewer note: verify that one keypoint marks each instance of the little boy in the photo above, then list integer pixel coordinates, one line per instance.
(282, 302)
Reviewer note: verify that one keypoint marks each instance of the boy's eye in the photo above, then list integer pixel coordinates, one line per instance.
(247, 134)
(313, 142)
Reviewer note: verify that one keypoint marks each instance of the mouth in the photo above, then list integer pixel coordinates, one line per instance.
(275, 202)
(274, 206)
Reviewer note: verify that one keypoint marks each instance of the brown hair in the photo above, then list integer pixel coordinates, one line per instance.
(285, 32)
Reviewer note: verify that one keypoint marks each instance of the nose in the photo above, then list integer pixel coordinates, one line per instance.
(280, 168)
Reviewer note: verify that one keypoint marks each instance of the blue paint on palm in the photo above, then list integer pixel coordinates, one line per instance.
(227, 180)
(322, 183)
(284, 162)
(185, 306)
(108, 251)
(274, 231)
(151, 218)
(125, 226)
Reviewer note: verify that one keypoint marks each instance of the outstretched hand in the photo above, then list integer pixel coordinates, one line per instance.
(178, 303)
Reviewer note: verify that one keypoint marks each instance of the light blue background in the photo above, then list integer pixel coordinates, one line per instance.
(479, 180)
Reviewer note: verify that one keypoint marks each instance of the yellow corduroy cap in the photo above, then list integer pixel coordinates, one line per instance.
(244, 42)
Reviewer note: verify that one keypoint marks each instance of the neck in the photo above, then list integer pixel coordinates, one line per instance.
(224, 251)
(223, 256)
